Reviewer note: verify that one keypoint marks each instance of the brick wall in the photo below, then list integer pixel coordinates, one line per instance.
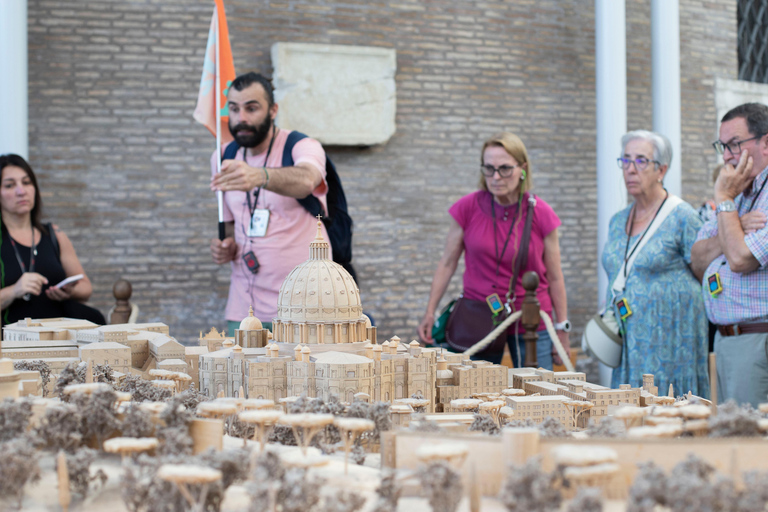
(123, 167)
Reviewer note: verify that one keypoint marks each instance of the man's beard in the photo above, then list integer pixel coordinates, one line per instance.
(253, 136)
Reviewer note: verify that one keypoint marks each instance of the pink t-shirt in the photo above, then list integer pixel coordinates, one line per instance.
(473, 213)
(289, 232)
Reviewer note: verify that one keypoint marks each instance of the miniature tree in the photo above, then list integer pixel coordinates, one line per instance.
(578, 407)
(78, 469)
(466, 404)
(648, 489)
(306, 426)
(130, 446)
(484, 424)
(61, 428)
(388, 492)
(73, 373)
(442, 486)
(19, 467)
(264, 421)
(358, 454)
(233, 465)
(447, 452)
(184, 476)
(552, 428)
(492, 408)
(14, 418)
(103, 373)
(98, 413)
(142, 390)
(343, 501)
(609, 427)
(191, 397)
(36, 366)
(137, 422)
(529, 489)
(299, 493)
(378, 412)
(350, 429)
(755, 493)
(265, 483)
(587, 499)
(174, 436)
(732, 421)
(272, 487)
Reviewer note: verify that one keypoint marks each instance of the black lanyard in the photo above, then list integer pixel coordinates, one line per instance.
(252, 208)
(629, 235)
(496, 239)
(754, 199)
(32, 253)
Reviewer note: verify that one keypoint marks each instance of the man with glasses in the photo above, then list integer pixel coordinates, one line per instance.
(731, 254)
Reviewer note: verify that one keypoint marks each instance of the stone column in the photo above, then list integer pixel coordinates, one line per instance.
(611, 94)
(13, 87)
(665, 80)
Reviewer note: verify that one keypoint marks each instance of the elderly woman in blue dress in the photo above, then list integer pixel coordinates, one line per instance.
(666, 333)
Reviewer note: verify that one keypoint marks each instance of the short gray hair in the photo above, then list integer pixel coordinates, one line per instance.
(662, 148)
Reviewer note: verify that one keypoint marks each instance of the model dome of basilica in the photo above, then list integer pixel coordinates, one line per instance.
(319, 301)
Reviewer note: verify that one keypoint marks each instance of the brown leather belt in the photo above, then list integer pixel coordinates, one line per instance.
(736, 329)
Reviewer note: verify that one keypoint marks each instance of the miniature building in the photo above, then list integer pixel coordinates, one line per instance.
(324, 345)
(9, 380)
(577, 389)
(251, 333)
(536, 408)
(213, 340)
(45, 329)
(467, 378)
(319, 302)
(116, 355)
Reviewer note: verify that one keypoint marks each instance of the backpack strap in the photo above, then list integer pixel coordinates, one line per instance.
(521, 259)
(231, 151)
(310, 203)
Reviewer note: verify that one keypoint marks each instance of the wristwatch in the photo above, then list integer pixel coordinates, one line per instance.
(564, 326)
(725, 206)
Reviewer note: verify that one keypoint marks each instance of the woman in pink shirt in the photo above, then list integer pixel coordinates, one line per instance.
(487, 226)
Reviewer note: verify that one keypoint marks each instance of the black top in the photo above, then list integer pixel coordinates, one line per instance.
(47, 263)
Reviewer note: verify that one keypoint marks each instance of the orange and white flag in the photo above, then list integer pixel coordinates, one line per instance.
(219, 65)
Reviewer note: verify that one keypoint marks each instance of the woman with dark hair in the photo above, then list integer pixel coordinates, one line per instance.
(35, 257)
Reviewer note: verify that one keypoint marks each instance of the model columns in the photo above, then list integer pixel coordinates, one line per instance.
(665, 79)
(611, 94)
(13, 87)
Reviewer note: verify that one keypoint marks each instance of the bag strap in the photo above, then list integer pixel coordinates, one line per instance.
(522, 253)
(669, 205)
(54, 240)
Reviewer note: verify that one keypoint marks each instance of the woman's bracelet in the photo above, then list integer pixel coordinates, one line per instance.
(266, 175)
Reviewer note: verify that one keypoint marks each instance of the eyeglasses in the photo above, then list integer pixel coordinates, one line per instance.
(505, 171)
(721, 146)
(640, 163)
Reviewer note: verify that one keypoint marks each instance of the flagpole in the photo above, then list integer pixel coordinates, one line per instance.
(219, 193)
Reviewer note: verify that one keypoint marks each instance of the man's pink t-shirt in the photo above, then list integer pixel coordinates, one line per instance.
(290, 231)
(473, 213)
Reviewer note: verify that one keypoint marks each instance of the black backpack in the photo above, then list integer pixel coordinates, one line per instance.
(337, 221)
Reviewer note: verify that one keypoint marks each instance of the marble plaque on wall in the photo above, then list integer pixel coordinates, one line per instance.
(338, 94)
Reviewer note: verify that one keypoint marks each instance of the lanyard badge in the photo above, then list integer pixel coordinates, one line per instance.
(714, 286)
(624, 310)
(494, 303)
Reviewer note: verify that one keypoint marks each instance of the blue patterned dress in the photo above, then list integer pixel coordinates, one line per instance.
(666, 335)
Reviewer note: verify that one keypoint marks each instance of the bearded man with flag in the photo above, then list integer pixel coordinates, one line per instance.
(267, 230)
